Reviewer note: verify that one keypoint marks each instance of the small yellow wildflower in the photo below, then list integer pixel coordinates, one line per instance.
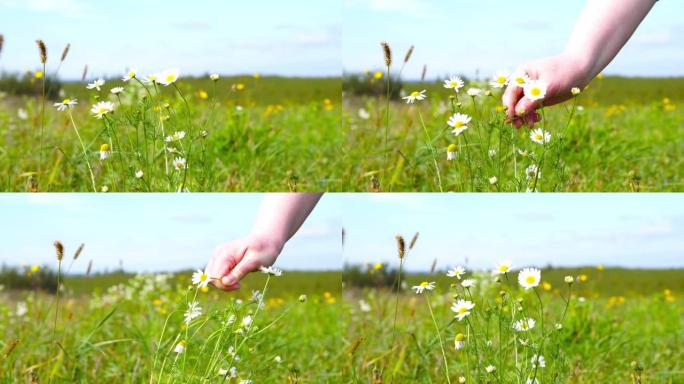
(378, 75)
(39, 74)
(583, 278)
(239, 87)
(35, 268)
(202, 94)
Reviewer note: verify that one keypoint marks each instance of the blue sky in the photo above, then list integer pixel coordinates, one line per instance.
(463, 36)
(229, 37)
(629, 230)
(153, 232)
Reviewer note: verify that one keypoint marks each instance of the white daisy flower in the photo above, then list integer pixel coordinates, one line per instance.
(519, 79)
(65, 104)
(180, 347)
(454, 83)
(461, 379)
(139, 174)
(540, 136)
(22, 114)
(200, 278)
(575, 91)
(168, 77)
(538, 360)
(530, 381)
(531, 172)
(179, 163)
(491, 152)
(535, 89)
(363, 114)
(459, 341)
(468, 283)
(456, 272)
(194, 311)
(529, 277)
(271, 270)
(177, 136)
(278, 359)
(415, 95)
(214, 76)
(153, 78)
(462, 308)
(97, 84)
(524, 325)
(474, 92)
(131, 74)
(459, 123)
(22, 309)
(364, 306)
(105, 151)
(424, 286)
(490, 368)
(493, 180)
(500, 79)
(116, 90)
(569, 279)
(502, 267)
(246, 321)
(102, 108)
(451, 152)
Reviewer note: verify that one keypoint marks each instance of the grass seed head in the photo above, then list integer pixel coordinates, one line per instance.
(413, 241)
(78, 251)
(2, 41)
(42, 50)
(354, 347)
(65, 52)
(422, 75)
(90, 266)
(85, 73)
(408, 55)
(10, 347)
(59, 248)
(434, 265)
(388, 53)
(401, 247)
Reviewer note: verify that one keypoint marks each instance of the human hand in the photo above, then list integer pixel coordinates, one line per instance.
(561, 73)
(235, 259)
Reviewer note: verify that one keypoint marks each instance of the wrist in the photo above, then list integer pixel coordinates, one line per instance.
(266, 241)
(582, 64)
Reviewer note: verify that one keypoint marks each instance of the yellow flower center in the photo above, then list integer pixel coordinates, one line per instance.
(530, 279)
(460, 337)
(538, 136)
(535, 91)
(203, 277)
(462, 310)
(170, 78)
(453, 84)
(520, 80)
(503, 268)
(415, 94)
(424, 284)
(104, 148)
(66, 101)
(501, 80)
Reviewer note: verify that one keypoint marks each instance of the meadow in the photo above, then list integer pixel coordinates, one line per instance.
(161, 327)
(166, 132)
(451, 134)
(589, 325)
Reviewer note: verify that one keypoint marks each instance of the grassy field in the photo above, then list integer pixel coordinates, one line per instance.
(245, 133)
(619, 134)
(621, 326)
(121, 328)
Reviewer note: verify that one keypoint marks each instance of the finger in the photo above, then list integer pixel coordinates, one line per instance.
(525, 106)
(517, 122)
(227, 288)
(245, 266)
(510, 99)
(225, 257)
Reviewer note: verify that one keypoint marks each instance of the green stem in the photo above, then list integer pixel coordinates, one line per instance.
(85, 152)
(441, 344)
(432, 150)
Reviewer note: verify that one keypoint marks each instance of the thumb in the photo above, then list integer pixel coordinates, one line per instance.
(242, 268)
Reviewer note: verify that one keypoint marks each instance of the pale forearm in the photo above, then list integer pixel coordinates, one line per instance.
(281, 214)
(602, 30)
